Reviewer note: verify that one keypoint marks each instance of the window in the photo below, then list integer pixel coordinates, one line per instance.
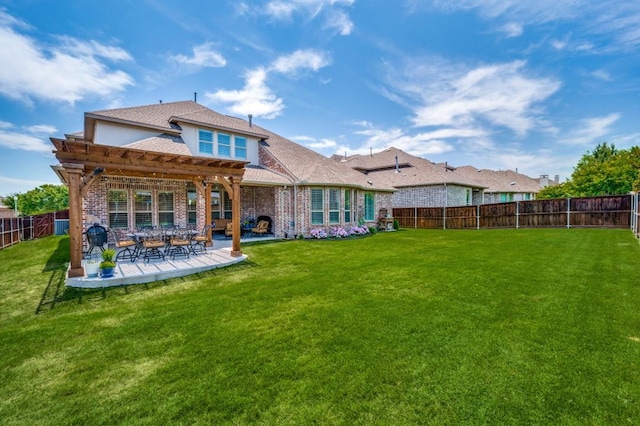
(334, 206)
(369, 206)
(241, 148)
(224, 145)
(317, 206)
(347, 206)
(118, 216)
(205, 142)
(468, 201)
(192, 205)
(215, 205)
(226, 205)
(165, 209)
(506, 197)
(143, 211)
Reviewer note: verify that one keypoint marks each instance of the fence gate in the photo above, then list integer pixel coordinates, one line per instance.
(42, 225)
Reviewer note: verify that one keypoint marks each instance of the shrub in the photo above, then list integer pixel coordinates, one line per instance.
(337, 232)
(318, 233)
(396, 225)
(373, 230)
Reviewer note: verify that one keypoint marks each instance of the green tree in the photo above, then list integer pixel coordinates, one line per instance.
(43, 199)
(562, 190)
(606, 171)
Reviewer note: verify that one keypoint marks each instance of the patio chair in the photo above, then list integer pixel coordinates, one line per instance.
(179, 243)
(198, 241)
(152, 242)
(96, 237)
(262, 228)
(127, 245)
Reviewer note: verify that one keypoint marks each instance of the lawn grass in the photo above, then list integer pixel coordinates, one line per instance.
(411, 327)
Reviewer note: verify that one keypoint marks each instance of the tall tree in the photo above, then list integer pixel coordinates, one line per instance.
(43, 199)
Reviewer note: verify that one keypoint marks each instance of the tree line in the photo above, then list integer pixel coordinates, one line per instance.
(603, 171)
(43, 199)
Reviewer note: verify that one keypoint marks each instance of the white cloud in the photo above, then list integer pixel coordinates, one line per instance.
(590, 130)
(339, 21)
(31, 138)
(617, 19)
(331, 11)
(317, 144)
(203, 56)
(512, 29)
(255, 97)
(67, 72)
(308, 59)
(602, 75)
(15, 185)
(500, 95)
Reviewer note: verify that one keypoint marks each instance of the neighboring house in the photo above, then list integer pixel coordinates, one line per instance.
(297, 188)
(5, 212)
(503, 186)
(418, 182)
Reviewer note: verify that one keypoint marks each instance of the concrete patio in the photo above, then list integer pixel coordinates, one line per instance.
(140, 272)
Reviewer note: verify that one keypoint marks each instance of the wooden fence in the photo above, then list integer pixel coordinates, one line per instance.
(14, 230)
(619, 211)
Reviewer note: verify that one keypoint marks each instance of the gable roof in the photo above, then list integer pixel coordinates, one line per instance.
(296, 163)
(502, 181)
(166, 117)
(411, 170)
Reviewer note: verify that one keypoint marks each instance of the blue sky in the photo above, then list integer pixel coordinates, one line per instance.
(500, 84)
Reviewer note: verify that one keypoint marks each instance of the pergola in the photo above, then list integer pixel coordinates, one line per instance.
(82, 162)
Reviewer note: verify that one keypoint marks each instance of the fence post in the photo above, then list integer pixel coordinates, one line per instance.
(444, 218)
(517, 214)
(478, 217)
(568, 212)
(415, 218)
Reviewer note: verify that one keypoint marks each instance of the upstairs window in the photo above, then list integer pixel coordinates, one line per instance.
(241, 148)
(224, 145)
(205, 142)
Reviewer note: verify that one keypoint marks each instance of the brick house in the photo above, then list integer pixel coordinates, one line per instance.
(178, 163)
(418, 182)
(503, 186)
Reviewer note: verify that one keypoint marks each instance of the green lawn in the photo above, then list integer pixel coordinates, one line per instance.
(417, 326)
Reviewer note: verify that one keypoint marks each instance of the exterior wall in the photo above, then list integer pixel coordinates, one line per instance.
(435, 196)
(95, 206)
(119, 134)
(260, 201)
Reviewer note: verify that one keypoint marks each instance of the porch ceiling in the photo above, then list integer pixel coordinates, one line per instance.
(121, 161)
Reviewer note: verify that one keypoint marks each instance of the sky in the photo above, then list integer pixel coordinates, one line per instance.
(530, 86)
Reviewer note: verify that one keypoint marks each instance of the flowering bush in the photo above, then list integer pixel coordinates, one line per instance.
(318, 233)
(337, 232)
(358, 230)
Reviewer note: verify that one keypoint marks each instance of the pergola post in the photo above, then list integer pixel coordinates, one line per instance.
(235, 218)
(207, 214)
(74, 173)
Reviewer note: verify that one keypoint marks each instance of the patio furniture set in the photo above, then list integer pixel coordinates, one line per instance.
(149, 243)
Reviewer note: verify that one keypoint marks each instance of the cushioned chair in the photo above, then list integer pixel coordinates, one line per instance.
(152, 243)
(127, 245)
(262, 228)
(199, 241)
(179, 243)
(228, 231)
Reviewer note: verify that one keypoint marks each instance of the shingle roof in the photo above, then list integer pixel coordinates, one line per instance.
(413, 171)
(302, 164)
(169, 144)
(502, 181)
(308, 166)
(166, 115)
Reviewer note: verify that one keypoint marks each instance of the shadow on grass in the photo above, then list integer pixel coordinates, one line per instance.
(57, 293)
